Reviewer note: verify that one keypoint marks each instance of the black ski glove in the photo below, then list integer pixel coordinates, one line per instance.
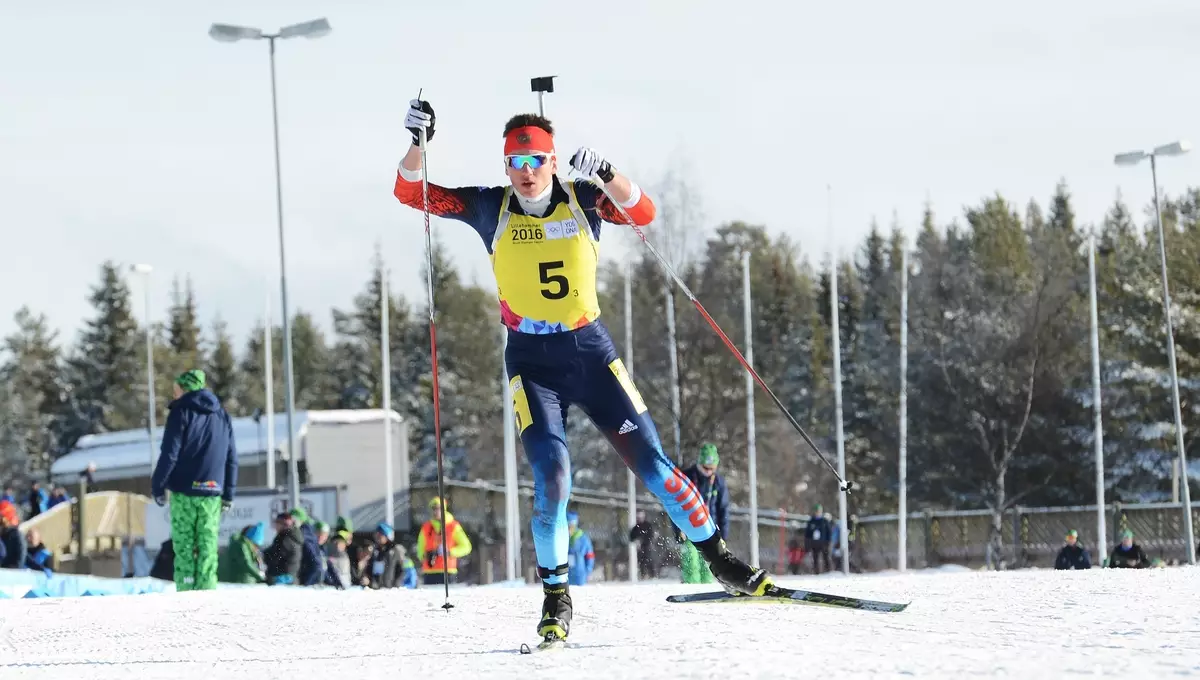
(420, 115)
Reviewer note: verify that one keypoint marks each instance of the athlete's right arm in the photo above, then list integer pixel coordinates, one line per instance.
(473, 205)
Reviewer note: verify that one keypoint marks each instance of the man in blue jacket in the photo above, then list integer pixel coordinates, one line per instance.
(198, 465)
(715, 496)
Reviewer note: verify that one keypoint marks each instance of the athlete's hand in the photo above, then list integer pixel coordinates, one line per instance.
(420, 115)
(589, 163)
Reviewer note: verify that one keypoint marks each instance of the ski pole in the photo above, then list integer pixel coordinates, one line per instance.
(843, 485)
(437, 419)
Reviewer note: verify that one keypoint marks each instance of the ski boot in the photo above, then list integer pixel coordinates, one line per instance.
(734, 575)
(556, 611)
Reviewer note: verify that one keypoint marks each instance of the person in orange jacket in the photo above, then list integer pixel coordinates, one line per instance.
(435, 567)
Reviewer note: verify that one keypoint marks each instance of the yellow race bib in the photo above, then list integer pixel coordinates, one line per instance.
(545, 268)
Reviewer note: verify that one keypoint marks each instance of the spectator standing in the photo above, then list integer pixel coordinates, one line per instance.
(581, 556)
(12, 543)
(643, 533)
(38, 500)
(816, 539)
(715, 495)
(1073, 555)
(198, 465)
(437, 567)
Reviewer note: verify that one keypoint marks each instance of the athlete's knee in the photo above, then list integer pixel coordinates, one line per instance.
(551, 469)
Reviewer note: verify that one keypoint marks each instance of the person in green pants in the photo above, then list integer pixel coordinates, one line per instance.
(198, 466)
(715, 495)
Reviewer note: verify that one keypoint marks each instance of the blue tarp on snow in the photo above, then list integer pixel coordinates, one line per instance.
(26, 583)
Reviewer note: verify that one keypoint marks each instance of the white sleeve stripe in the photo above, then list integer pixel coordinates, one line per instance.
(410, 175)
(635, 195)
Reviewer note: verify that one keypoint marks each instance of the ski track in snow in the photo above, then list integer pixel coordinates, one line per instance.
(1020, 624)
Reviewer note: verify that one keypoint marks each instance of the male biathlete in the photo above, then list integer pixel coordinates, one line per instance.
(542, 235)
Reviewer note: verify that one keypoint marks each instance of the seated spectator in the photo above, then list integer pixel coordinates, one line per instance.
(9, 495)
(337, 561)
(283, 556)
(312, 560)
(241, 561)
(36, 554)
(1073, 555)
(12, 543)
(390, 566)
(1128, 555)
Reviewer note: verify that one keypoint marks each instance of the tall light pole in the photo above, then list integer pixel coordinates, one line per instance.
(1101, 528)
(902, 510)
(751, 449)
(1133, 158)
(836, 331)
(385, 361)
(309, 29)
(144, 270)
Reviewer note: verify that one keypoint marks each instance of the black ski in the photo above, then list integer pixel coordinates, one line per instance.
(779, 594)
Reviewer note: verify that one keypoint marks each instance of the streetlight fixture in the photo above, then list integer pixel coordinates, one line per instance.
(1129, 158)
(308, 29)
(144, 270)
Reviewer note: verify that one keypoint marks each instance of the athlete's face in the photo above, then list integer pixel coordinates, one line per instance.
(530, 170)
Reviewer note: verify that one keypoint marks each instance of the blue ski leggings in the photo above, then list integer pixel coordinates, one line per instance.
(548, 373)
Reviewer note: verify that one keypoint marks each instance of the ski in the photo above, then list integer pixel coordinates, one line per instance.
(549, 644)
(781, 595)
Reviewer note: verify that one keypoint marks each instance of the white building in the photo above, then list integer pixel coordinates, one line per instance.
(336, 448)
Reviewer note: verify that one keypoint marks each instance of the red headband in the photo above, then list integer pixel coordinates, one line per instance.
(530, 138)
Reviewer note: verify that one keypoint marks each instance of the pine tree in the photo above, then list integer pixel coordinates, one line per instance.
(222, 370)
(310, 365)
(183, 329)
(106, 367)
(34, 398)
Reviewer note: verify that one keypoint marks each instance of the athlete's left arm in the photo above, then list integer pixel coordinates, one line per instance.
(623, 190)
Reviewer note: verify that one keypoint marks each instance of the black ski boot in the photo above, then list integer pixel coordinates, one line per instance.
(734, 575)
(556, 608)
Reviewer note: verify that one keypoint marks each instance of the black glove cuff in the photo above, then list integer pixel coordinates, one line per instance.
(605, 172)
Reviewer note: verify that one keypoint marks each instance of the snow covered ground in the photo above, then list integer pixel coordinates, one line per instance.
(1022, 624)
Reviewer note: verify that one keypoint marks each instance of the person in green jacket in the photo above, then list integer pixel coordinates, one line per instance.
(240, 562)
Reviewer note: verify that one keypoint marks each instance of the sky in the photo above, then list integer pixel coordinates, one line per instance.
(126, 133)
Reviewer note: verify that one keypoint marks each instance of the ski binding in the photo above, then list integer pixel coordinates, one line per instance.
(549, 643)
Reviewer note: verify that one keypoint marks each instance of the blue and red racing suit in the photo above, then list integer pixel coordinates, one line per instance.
(559, 353)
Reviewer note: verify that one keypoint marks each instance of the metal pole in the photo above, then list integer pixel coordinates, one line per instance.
(837, 393)
(512, 508)
(902, 511)
(385, 355)
(541, 109)
(630, 479)
(751, 451)
(150, 398)
(673, 361)
(268, 346)
(1101, 528)
(1183, 468)
(293, 466)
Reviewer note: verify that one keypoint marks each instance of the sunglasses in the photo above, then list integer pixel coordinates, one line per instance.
(534, 161)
